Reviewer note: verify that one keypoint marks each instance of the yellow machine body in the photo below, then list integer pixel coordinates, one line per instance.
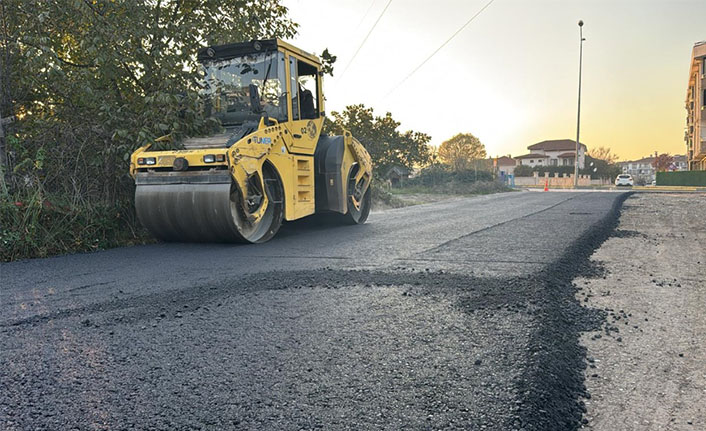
(169, 181)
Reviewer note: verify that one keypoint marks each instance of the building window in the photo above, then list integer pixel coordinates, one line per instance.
(703, 98)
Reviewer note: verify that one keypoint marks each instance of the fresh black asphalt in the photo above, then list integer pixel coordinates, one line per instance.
(454, 315)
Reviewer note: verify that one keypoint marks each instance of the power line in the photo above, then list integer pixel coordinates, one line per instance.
(366, 38)
(372, 3)
(439, 48)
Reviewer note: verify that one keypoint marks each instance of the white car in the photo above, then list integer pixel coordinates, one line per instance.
(624, 180)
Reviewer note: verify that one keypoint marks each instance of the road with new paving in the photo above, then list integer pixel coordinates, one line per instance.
(459, 314)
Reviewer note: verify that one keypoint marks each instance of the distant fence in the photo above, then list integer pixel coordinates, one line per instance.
(682, 178)
(561, 181)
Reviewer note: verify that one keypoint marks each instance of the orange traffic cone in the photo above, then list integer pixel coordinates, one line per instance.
(546, 185)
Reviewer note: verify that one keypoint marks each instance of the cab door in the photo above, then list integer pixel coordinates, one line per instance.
(304, 92)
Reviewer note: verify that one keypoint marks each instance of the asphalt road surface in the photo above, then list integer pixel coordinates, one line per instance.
(459, 314)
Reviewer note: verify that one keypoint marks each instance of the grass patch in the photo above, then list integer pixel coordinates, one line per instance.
(34, 226)
(385, 199)
(454, 188)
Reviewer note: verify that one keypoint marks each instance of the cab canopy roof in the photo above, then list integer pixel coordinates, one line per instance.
(233, 50)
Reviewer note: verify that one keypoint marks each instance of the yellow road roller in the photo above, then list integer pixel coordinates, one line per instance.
(268, 163)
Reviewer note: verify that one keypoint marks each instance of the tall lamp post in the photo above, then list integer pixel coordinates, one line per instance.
(578, 117)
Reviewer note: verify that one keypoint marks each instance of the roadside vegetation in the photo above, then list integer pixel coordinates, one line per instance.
(458, 167)
(84, 84)
(388, 146)
(37, 226)
(441, 180)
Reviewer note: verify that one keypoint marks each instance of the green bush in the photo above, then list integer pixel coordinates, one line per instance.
(382, 196)
(684, 178)
(38, 226)
(438, 175)
(523, 171)
(456, 188)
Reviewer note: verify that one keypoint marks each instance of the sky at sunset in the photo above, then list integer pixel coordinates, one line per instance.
(511, 77)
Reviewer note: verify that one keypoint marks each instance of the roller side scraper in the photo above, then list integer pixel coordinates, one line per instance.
(268, 163)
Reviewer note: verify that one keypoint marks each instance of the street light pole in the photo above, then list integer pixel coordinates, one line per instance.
(578, 115)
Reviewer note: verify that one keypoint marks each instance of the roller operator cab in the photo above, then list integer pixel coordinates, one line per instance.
(270, 161)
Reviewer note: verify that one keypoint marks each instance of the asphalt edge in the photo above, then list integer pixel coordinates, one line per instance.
(553, 384)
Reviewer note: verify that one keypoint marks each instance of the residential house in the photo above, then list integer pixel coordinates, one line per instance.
(396, 175)
(695, 135)
(559, 152)
(506, 166)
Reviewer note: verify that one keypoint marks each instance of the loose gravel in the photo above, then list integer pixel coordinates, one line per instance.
(647, 361)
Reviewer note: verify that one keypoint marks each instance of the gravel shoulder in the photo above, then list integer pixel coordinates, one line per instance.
(410, 199)
(647, 364)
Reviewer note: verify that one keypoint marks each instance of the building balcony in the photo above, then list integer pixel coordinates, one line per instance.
(701, 149)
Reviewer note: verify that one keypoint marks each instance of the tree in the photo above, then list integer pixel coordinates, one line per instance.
(461, 150)
(327, 61)
(387, 146)
(599, 168)
(663, 162)
(603, 153)
(90, 81)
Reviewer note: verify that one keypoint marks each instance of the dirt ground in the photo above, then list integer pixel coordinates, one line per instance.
(646, 368)
(425, 198)
(408, 199)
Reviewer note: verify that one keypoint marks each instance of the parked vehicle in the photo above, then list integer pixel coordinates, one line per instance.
(624, 180)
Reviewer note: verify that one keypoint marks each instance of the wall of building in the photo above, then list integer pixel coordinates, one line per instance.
(506, 169)
(553, 155)
(539, 161)
(695, 135)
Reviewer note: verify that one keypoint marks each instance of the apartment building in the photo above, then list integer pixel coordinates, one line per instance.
(695, 135)
(679, 164)
(643, 170)
(558, 152)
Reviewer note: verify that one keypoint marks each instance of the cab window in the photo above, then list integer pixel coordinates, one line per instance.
(307, 90)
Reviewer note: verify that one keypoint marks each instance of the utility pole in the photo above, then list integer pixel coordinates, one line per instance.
(433, 170)
(578, 117)
(3, 151)
(4, 166)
